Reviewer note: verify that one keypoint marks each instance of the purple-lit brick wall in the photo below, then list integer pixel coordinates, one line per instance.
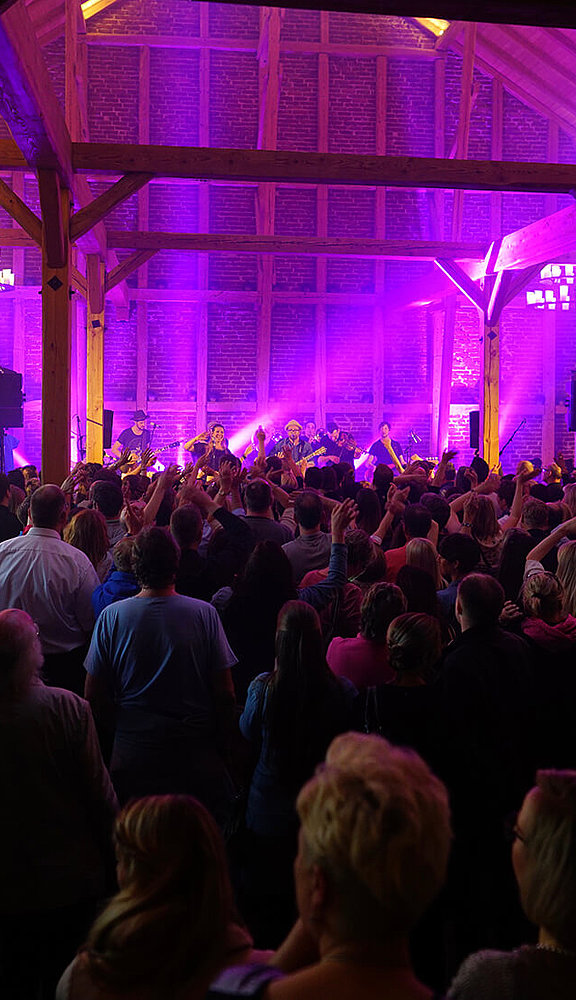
(412, 121)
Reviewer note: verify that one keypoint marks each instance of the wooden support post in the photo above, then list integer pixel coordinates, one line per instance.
(19, 334)
(496, 154)
(491, 392)
(56, 359)
(549, 386)
(95, 277)
(379, 314)
(55, 241)
(203, 224)
(269, 73)
(322, 229)
(143, 219)
(457, 212)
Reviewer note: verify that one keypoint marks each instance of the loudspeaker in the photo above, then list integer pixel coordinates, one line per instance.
(107, 418)
(11, 398)
(474, 436)
(572, 421)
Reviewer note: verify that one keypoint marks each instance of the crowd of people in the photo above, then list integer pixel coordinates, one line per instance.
(265, 731)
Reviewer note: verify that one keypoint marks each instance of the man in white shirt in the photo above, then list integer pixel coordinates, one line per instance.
(53, 582)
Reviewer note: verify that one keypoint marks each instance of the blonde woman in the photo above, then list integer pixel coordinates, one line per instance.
(373, 849)
(171, 926)
(420, 552)
(544, 862)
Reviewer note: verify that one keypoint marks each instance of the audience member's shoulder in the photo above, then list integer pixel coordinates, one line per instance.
(486, 975)
(58, 701)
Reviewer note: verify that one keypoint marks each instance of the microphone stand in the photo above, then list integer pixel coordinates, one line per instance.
(512, 436)
(80, 440)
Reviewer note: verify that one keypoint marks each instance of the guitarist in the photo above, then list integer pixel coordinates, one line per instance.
(298, 447)
(386, 451)
(135, 438)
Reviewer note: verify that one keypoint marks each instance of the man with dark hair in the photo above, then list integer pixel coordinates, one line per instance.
(459, 555)
(417, 524)
(311, 550)
(107, 497)
(10, 526)
(53, 582)
(259, 516)
(158, 675)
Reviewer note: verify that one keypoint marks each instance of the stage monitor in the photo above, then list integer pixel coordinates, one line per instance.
(11, 398)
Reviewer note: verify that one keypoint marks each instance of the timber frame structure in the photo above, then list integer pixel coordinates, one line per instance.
(78, 253)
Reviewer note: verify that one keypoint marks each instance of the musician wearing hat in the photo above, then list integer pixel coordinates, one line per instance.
(136, 438)
(300, 449)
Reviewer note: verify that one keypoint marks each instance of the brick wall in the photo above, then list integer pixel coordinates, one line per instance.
(411, 121)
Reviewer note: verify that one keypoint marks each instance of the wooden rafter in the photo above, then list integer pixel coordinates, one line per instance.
(536, 243)
(87, 217)
(51, 205)
(127, 267)
(20, 212)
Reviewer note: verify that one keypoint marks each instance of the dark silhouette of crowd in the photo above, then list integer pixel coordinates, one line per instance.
(271, 734)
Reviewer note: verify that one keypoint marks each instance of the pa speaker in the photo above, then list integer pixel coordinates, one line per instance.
(474, 417)
(572, 421)
(107, 418)
(11, 398)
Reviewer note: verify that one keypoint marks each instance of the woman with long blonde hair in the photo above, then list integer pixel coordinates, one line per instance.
(420, 552)
(171, 927)
(87, 531)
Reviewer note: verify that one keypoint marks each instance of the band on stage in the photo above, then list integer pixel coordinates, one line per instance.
(305, 445)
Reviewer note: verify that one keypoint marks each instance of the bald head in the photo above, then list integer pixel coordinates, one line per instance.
(48, 507)
(20, 652)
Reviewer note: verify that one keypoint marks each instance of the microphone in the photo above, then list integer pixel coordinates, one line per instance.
(415, 438)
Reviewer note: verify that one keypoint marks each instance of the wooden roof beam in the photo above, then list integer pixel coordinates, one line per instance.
(27, 100)
(127, 267)
(282, 166)
(348, 247)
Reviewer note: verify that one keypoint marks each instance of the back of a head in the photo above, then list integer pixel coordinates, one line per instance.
(377, 821)
(517, 545)
(419, 589)
(461, 549)
(308, 510)
(313, 478)
(548, 883)
(87, 531)
(268, 574)
(168, 923)
(481, 599)
(369, 511)
(542, 596)
(414, 643)
(48, 507)
(186, 525)
(382, 478)
(258, 496)
(329, 479)
(155, 558)
(107, 497)
(420, 552)
(570, 498)
(122, 553)
(299, 644)
(567, 575)
(535, 513)
(382, 603)
(417, 521)
(4, 486)
(16, 478)
(360, 550)
(20, 654)
(439, 508)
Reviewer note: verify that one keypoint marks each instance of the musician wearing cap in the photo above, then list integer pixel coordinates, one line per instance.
(298, 446)
(386, 451)
(135, 438)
